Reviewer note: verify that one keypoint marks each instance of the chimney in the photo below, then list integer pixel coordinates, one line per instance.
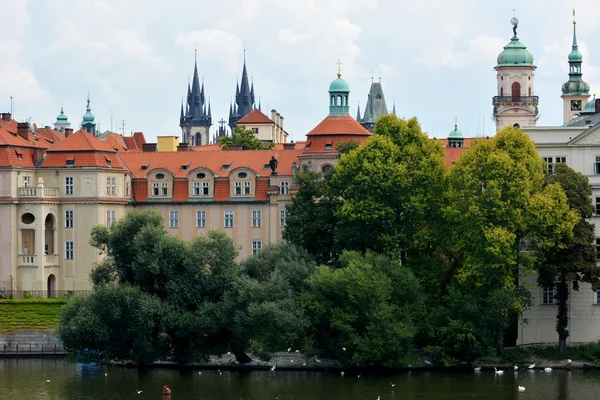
(281, 122)
(234, 147)
(149, 147)
(68, 132)
(23, 129)
(274, 116)
(183, 146)
(38, 156)
(6, 117)
(289, 146)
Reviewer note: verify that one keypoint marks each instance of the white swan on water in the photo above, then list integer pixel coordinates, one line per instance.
(477, 369)
(547, 369)
(532, 366)
(498, 371)
(521, 389)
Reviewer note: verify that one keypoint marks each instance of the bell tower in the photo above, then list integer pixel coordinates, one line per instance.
(575, 92)
(515, 103)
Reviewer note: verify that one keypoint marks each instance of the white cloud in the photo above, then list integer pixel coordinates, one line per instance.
(214, 46)
(479, 50)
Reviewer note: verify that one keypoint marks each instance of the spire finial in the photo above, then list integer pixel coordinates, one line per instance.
(339, 64)
(515, 22)
(574, 21)
(379, 76)
(455, 123)
(244, 53)
(195, 53)
(372, 73)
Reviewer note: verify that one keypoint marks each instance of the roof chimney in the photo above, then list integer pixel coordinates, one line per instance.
(38, 156)
(149, 147)
(23, 129)
(234, 147)
(289, 146)
(6, 117)
(68, 132)
(184, 146)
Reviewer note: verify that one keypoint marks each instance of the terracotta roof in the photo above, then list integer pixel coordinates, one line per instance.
(339, 125)
(328, 144)
(130, 143)
(452, 154)
(10, 126)
(139, 138)
(13, 139)
(180, 190)
(140, 189)
(214, 161)
(116, 142)
(16, 157)
(261, 189)
(255, 117)
(278, 146)
(82, 159)
(221, 190)
(81, 141)
(50, 135)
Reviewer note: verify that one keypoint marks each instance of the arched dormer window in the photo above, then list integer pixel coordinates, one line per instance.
(201, 183)
(242, 183)
(160, 184)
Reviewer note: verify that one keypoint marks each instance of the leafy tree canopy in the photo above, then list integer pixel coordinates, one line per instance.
(246, 138)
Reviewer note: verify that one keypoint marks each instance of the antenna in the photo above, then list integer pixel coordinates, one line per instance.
(12, 108)
(123, 127)
(111, 121)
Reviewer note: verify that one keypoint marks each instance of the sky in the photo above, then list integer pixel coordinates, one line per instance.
(134, 57)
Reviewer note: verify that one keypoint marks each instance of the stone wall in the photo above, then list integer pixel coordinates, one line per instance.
(30, 343)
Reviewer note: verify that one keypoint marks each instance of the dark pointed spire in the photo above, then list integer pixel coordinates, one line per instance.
(209, 112)
(181, 115)
(358, 112)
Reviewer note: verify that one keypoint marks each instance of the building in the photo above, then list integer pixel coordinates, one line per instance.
(195, 119)
(62, 122)
(268, 130)
(375, 108)
(244, 99)
(515, 103)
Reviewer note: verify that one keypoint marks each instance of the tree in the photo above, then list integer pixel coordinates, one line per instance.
(246, 138)
(311, 218)
(575, 263)
(502, 217)
(365, 312)
(390, 190)
(347, 147)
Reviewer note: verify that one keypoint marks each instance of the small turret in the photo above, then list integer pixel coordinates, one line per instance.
(88, 124)
(62, 122)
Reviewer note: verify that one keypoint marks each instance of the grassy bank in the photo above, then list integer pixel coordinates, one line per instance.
(29, 314)
(587, 353)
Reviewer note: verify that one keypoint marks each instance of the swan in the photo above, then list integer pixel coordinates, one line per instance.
(273, 368)
(521, 389)
(532, 366)
(342, 374)
(498, 371)
(139, 391)
(477, 369)
(547, 369)
(393, 384)
(515, 368)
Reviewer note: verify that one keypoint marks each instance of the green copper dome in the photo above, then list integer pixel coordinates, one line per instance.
(575, 56)
(455, 134)
(339, 85)
(62, 118)
(515, 54)
(88, 116)
(590, 108)
(576, 87)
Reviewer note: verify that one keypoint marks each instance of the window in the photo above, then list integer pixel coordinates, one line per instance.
(255, 131)
(256, 246)
(598, 247)
(154, 188)
(196, 189)
(597, 296)
(111, 218)
(68, 185)
(173, 219)
(246, 187)
(127, 188)
(68, 250)
(204, 188)
(256, 218)
(111, 186)
(284, 187)
(597, 165)
(201, 219)
(548, 295)
(70, 163)
(228, 219)
(597, 202)
(164, 189)
(238, 188)
(550, 161)
(329, 146)
(282, 216)
(26, 181)
(68, 218)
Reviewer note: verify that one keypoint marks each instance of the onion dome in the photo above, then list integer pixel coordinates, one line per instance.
(455, 134)
(88, 116)
(339, 92)
(575, 85)
(62, 118)
(339, 85)
(515, 54)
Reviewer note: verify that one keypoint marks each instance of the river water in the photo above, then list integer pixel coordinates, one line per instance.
(65, 380)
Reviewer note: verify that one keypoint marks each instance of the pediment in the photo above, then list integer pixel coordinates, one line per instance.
(587, 137)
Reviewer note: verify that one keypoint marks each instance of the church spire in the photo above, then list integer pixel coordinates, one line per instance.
(358, 112)
(575, 91)
(244, 97)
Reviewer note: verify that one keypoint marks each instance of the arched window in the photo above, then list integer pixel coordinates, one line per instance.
(378, 96)
(529, 92)
(339, 100)
(501, 91)
(516, 91)
(51, 286)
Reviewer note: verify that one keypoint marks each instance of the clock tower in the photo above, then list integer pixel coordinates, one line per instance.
(575, 92)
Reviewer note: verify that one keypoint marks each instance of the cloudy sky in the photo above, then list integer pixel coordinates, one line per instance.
(134, 57)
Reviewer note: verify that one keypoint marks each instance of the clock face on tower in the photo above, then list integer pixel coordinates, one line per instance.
(575, 105)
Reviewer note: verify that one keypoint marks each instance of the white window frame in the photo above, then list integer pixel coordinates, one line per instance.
(257, 218)
(111, 218)
(256, 246)
(237, 188)
(205, 189)
(597, 166)
(111, 186)
(548, 295)
(282, 218)
(200, 218)
(284, 187)
(228, 219)
(69, 219)
(127, 189)
(69, 250)
(247, 188)
(597, 205)
(26, 181)
(155, 189)
(69, 185)
(173, 219)
(164, 189)
(196, 188)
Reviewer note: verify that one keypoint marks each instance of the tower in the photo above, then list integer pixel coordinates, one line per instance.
(244, 99)
(516, 103)
(62, 122)
(575, 92)
(195, 119)
(375, 107)
(88, 124)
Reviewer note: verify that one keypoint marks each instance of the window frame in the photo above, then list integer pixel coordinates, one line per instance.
(256, 246)
(174, 219)
(200, 218)
(164, 189)
(247, 188)
(237, 188)
(284, 187)
(257, 218)
(69, 186)
(548, 296)
(155, 189)
(69, 250)
(283, 218)
(69, 219)
(111, 218)
(228, 219)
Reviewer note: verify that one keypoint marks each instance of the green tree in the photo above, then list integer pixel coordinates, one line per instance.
(246, 138)
(575, 263)
(391, 189)
(311, 218)
(365, 312)
(501, 216)
(347, 147)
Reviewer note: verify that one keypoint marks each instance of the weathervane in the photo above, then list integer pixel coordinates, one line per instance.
(515, 22)
(339, 64)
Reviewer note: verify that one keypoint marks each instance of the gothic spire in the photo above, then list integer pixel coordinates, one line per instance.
(358, 112)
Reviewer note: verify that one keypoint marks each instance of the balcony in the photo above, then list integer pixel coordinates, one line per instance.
(496, 100)
(31, 260)
(37, 192)
(50, 260)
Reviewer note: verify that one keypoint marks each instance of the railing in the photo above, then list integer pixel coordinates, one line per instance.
(32, 349)
(29, 260)
(42, 294)
(515, 99)
(50, 259)
(37, 192)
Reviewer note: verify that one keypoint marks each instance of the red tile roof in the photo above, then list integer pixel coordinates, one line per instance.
(139, 138)
(338, 125)
(130, 143)
(116, 142)
(221, 190)
(82, 141)
(211, 160)
(180, 190)
(261, 189)
(140, 189)
(255, 117)
(10, 138)
(50, 135)
(16, 157)
(452, 154)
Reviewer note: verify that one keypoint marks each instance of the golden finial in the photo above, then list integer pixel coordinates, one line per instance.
(574, 21)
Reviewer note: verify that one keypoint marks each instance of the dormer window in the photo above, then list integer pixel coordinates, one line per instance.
(19, 155)
(200, 183)
(145, 167)
(108, 163)
(226, 166)
(186, 167)
(241, 184)
(238, 188)
(329, 146)
(71, 163)
(242, 175)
